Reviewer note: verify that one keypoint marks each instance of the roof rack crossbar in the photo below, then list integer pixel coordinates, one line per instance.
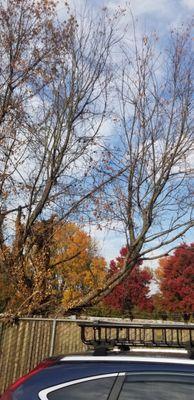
(110, 334)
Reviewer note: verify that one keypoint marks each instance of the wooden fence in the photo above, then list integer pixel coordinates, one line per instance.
(25, 344)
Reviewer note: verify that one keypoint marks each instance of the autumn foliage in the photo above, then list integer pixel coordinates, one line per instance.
(62, 265)
(133, 291)
(175, 276)
(59, 84)
(52, 73)
(78, 266)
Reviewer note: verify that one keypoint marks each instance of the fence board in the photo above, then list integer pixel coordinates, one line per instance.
(25, 344)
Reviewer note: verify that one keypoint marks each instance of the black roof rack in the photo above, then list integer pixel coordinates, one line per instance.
(104, 336)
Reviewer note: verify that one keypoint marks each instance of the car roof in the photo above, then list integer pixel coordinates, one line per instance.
(128, 359)
(72, 367)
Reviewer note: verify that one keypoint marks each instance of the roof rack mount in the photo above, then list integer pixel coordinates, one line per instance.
(104, 336)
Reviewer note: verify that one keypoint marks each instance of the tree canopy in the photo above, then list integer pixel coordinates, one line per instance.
(133, 292)
(175, 276)
(56, 272)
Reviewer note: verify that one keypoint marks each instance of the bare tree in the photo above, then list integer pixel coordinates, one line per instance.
(54, 78)
(151, 202)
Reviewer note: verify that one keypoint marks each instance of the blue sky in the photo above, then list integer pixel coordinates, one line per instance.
(160, 16)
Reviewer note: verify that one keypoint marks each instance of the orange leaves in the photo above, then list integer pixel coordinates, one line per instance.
(77, 262)
(60, 265)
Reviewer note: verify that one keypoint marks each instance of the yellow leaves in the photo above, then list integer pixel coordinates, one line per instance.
(70, 296)
(77, 262)
(61, 266)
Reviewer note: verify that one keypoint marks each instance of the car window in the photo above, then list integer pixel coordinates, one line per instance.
(96, 389)
(158, 387)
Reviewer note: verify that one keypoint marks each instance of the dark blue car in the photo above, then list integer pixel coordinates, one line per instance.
(121, 373)
(107, 378)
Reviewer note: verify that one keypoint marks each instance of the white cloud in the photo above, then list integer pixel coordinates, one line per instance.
(190, 159)
(109, 242)
(150, 6)
(111, 245)
(163, 10)
(145, 7)
(189, 4)
(107, 128)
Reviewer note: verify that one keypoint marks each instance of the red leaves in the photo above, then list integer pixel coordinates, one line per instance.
(133, 291)
(123, 252)
(176, 279)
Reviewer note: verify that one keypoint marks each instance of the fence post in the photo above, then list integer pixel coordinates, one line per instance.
(53, 337)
